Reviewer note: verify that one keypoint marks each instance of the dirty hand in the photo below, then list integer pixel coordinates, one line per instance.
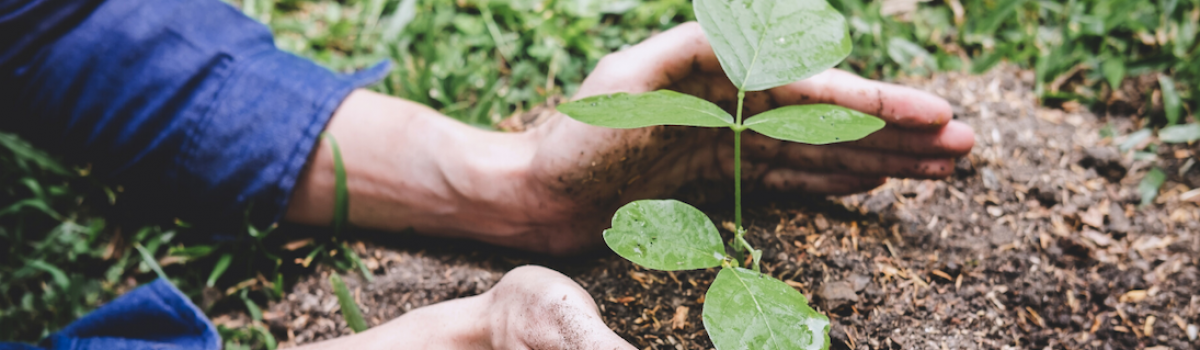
(554, 188)
(530, 308)
(583, 173)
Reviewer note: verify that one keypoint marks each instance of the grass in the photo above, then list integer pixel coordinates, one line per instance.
(64, 252)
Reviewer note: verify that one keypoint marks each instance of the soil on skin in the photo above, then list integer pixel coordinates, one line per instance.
(1036, 243)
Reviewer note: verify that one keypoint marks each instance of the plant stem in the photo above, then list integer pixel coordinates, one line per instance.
(737, 165)
(739, 242)
(742, 241)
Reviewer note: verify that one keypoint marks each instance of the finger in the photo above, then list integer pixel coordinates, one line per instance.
(558, 302)
(845, 159)
(659, 61)
(590, 333)
(896, 104)
(954, 140)
(788, 180)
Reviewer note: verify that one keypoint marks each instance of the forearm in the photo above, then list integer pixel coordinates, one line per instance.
(456, 324)
(409, 166)
(199, 125)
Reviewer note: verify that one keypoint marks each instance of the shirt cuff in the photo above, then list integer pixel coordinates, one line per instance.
(257, 135)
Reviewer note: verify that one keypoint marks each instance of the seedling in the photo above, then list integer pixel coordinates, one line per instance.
(761, 44)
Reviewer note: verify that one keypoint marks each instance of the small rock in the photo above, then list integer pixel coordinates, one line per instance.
(1192, 331)
(879, 201)
(1117, 222)
(964, 168)
(836, 295)
(952, 268)
(1106, 161)
(1045, 194)
(873, 293)
(859, 281)
(821, 223)
(309, 303)
(989, 179)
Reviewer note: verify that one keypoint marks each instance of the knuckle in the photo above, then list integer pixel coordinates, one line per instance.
(610, 61)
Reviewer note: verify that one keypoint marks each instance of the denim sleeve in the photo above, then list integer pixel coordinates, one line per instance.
(153, 316)
(187, 104)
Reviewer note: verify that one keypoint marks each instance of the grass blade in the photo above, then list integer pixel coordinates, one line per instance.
(219, 269)
(60, 277)
(341, 205)
(358, 261)
(1134, 139)
(1150, 184)
(148, 258)
(350, 310)
(1180, 133)
(1172, 105)
(251, 307)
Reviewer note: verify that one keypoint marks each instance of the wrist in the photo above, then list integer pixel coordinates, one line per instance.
(408, 166)
(455, 324)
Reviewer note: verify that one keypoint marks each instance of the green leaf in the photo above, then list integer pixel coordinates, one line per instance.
(1134, 139)
(1180, 133)
(665, 235)
(747, 310)
(1148, 188)
(817, 124)
(1171, 103)
(267, 337)
(59, 277)
(341, 199)
(252, 308)
(219, 269)
(767, 43)
(349, 253)
(662, 107)
(148, 259)
(911, 57)
(23, 150)
(1114, 71)
(350, 310)
(986, 62)
(995, 17)
(192, 252)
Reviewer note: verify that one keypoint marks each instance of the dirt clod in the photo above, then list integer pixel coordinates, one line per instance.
(835, 295)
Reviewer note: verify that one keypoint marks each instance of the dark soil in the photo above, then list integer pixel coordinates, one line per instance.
(1036, 243)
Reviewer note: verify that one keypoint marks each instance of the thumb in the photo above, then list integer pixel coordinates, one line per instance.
(584, 330)
(555, 312)
(654, 63)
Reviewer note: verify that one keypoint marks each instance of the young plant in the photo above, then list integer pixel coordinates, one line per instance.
(761, 44)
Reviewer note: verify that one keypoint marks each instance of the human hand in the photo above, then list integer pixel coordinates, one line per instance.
(553, 188)
(530, 308)
(581, 174)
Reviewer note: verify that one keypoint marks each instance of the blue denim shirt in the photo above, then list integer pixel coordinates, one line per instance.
(187, 104)
(153, 316)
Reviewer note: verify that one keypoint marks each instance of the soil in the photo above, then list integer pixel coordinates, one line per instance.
(1037, 242)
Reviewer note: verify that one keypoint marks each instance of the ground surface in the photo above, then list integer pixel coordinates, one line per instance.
(1036, 242)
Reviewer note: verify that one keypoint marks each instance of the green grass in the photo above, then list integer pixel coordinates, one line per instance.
(63, 253)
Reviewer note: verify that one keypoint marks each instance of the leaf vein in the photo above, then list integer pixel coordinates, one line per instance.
(760, 310)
